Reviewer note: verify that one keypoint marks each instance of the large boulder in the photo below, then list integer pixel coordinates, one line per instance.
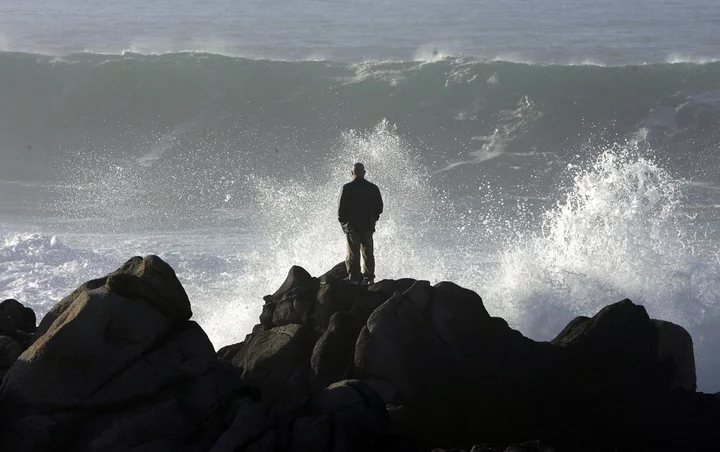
(436, 351)
(113, 346)
(619, 345)
(100, 333)
(149, 279)
(398, 346)
(175, 397)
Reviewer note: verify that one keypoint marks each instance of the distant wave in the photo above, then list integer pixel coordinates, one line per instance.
(424, 54)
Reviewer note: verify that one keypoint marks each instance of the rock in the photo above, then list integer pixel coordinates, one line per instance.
(462, 333)
(251, 423)
(398, 346)
(332, 357)
(149, 279)
(229, 352)
(17, 323)
(16, 319)
(101, 333)
(117, 365)
(10, 350)
(529, 446)
(346, 416)
(619, 345)
(294, 301)
(675, 343)
(180, 383)
(337, 273)
(387, 287)
(337, 296)
(277, 361)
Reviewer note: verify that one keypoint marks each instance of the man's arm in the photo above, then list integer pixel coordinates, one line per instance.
(342, 207)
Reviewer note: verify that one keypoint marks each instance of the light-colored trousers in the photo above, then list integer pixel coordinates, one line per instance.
(360, 242)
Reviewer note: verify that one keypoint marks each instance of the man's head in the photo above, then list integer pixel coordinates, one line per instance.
(358, 170)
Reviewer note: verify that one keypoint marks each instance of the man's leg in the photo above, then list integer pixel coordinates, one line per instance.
(368, 255)
(352, 261)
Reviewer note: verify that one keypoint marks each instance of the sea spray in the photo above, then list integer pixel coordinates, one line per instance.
(620, 232)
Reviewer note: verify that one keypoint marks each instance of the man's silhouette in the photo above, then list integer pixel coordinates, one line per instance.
(359, 208)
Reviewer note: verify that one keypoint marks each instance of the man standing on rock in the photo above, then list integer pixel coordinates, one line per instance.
(359, 208)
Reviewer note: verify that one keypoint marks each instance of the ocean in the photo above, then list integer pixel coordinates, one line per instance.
(553, 156)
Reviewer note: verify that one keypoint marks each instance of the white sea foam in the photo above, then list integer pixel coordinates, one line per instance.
(678, 58)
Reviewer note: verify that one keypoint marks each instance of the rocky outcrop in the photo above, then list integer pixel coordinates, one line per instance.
(450, 373)
(401, 365)
(276, 357)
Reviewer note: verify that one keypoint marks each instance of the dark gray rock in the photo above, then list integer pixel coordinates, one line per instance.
(347, 416)
(675, 343)
(387, 287)
(618, 345)
(397, 345)
(294, 301)
(178, 394)
(338, 296)
(10, 350)
(332, 357)
(100, 333)
(250, 425)
(149, 279)
(337, 273)
(16, 320)
(229, 352)
(277, 361)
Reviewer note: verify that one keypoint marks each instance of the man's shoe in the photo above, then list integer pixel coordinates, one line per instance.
(367, 282)
(352, 282)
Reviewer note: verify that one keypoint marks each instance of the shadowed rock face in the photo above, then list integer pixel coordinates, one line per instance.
(398, 366)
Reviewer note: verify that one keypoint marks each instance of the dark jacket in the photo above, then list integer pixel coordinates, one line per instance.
(360, 205)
